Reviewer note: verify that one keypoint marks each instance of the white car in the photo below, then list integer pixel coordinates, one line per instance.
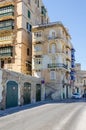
(76, 96)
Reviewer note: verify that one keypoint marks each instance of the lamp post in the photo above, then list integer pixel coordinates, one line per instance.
(84, 86)
(63, 88)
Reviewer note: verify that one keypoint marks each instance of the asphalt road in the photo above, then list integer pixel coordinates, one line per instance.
(50, 116)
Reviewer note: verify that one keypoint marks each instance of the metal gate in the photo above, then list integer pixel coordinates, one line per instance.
(38, 92)
(27, 93)
(11, 94)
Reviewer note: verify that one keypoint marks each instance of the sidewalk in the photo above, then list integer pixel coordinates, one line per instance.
(28, 106)
(20, 108)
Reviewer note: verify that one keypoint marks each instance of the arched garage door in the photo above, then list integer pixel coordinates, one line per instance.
(11, 94)
(38, 92)
(27, 93)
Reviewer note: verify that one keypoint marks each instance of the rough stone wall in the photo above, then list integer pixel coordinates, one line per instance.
(20, 79)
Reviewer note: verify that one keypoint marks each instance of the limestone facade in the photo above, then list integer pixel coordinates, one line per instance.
(80, 80)
(16, 20)
(51, 58)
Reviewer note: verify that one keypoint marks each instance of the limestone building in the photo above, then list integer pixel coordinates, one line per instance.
(16, 20)
(80, 80)
(53, 58)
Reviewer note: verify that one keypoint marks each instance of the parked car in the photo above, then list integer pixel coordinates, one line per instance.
(76, 96)
(84, 95)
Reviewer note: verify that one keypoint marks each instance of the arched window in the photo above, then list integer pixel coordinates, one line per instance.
(53, 48)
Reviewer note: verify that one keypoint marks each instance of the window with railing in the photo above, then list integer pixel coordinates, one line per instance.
(5, 11)
(52, 75)
(37, 34)
(52, 48)
(38, 61)
(37, 48)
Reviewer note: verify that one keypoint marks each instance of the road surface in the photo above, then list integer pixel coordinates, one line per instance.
(50, 116)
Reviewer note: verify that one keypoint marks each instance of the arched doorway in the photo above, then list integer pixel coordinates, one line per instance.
(27, 93)
(38, 92)
(11, 94)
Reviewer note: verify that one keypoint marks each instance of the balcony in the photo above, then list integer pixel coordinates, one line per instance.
(6, 43)
(7, 16)
(6, 3)
(10, 27)
(38, 53)
(51, 38)
(57, 65)
(38, 39)
(37, 67)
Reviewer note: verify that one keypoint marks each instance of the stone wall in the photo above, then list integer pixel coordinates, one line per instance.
(20, 79)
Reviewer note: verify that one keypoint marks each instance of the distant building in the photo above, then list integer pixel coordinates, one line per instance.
(80, 80)
(16, 20)
(53, 58)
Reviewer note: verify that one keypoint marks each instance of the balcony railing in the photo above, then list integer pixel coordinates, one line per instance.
(37, 39)
(57, 65)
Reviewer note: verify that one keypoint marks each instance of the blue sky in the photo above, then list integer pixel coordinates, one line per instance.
(72, 13)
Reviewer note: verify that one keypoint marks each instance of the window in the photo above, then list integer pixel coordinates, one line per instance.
(28, 65)
(9, 61)
(38, 74)
(2, 63)
(38, 61)
(29, 14)
(6, 51)
(53, 48)
(53, 34)
(37, 48)
(28, 51)
(37, 3)
(29, 27)
(29, 2)
(37, 34)
(52, 75)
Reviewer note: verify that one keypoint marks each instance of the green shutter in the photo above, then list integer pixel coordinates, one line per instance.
(29, 14)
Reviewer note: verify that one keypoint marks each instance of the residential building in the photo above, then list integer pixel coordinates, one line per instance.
(51, 58)
(16, 20)
(80, 80)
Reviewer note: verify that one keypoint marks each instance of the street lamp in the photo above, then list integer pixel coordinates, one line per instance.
(84, 86)
(63, 88)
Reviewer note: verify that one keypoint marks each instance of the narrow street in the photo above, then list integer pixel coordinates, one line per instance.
(50, 116)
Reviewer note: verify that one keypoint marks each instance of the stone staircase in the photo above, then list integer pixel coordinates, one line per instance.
(51, 91)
